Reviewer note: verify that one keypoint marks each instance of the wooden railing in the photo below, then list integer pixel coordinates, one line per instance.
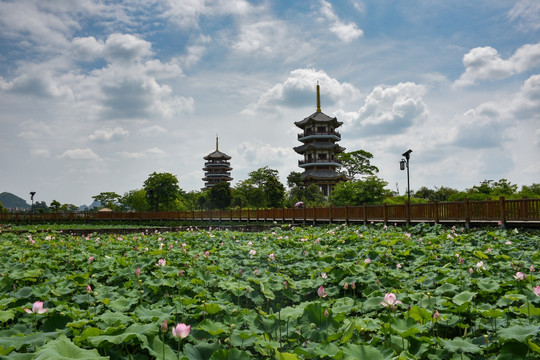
(525, 211)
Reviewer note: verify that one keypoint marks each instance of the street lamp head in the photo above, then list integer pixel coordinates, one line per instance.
(402, 164)
(407, 154)
(32, 193)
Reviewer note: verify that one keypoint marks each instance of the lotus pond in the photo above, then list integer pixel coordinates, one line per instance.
(340, 292)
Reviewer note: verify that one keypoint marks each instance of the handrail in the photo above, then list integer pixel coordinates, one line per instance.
(500, 211)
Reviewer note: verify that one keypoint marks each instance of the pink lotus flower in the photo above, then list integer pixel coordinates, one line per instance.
(271, 256)
(519, 276)
(252, 252)
(326, 314)
(181, 330)
(436, 315)
(90, 259)
(346, 286)
(138, 272)
(353, 285)
(88, 289)
(321, 292)
(323, 275)
(367, 261)
(398, 266)
(536, 290)
(390, 300)
(37, 308)
(161, 262)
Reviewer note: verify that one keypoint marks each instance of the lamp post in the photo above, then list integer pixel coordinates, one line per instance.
(404, 163)
(32, 193)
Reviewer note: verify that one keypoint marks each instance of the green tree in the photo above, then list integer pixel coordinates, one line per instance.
(503, 188)
(294, 180)
(107, 199)
(370, 191)
(532, 191)
(3, 209)
(220, 195)
(162, 190)
(135, 200)
(274, 192)
(356, 163)
(68, 208)
(55, 206)
(41, 207)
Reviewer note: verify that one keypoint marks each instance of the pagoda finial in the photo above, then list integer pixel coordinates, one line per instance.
(318, 98)
(217, 142)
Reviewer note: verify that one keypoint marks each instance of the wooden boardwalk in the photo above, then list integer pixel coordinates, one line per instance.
(520, 212)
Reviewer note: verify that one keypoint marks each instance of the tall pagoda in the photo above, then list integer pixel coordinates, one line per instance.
(319, 148)
(217, 168)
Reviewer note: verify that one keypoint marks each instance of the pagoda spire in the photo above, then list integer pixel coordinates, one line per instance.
(217, 142)
(318, 98)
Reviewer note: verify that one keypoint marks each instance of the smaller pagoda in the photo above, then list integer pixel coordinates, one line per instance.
(217, 168)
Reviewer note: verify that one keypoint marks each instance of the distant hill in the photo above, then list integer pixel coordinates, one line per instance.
(10, 201)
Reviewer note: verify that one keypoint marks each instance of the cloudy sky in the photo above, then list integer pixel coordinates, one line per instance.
(97, 95)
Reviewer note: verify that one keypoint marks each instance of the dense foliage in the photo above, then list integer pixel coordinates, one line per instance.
(340, 292)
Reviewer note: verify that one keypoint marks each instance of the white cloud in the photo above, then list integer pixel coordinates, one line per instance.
(481, 128)
(108, 135)
(345, 32)
(32, 130)
(298, 90)
(79, 154)
(148, 153)
(526, 104)
(154, 130)
(40, 153)
(485, 63)
(389, 110)
(527, 14)
(186, 13)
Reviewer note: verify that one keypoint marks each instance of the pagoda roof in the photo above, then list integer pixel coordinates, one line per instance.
(318, 117)
(319, 146)
(217, 155)
(323, 174)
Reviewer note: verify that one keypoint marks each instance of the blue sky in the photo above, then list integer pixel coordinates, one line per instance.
(95, 96)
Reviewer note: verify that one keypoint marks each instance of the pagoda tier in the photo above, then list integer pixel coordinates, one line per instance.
(217, 168)
(319, 149)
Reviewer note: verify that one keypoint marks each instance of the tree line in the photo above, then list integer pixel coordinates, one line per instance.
(263, 189)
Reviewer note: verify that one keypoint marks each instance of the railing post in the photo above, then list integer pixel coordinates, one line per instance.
(502, 212)
(314, 216)
(304, 211)
(385, 213)
(347, 214)
(408, 210)
(283, 214)
(293, 217)
(364, 206)
(436, 211)
(467, 214)
(330, 211)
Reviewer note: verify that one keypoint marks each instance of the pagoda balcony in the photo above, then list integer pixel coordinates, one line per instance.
(217, 164)
(306, 135)
(222, 174)
(330, 162)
